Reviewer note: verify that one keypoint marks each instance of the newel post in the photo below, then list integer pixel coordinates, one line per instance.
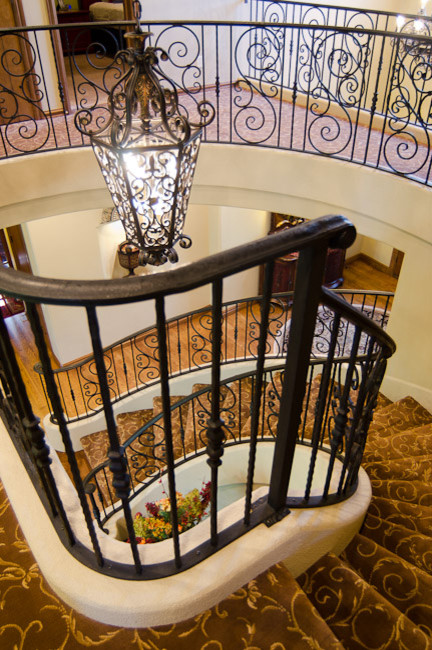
(309, 276)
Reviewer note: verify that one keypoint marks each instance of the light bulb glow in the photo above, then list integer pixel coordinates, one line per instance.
(400, 22)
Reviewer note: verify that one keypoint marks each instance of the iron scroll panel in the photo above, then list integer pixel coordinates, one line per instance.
(132, 363)
(354, 90)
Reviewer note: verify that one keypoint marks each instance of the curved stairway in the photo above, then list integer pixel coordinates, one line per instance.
(376, 595)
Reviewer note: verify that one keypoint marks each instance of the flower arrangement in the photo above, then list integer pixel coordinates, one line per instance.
(157, 526)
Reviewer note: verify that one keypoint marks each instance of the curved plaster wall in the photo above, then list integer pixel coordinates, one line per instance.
(382, 206)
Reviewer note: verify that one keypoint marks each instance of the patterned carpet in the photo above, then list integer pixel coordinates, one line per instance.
(377, 595)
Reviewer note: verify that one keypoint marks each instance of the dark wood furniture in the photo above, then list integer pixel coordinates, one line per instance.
(286, 267)
(73, 39)
(285, 271)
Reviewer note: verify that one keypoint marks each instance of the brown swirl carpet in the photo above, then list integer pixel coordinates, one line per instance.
(377, 595)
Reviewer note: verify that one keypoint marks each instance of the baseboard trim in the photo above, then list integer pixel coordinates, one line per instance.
(373, 263)
(395, 389)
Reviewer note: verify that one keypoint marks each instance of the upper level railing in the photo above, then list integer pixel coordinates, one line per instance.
(355, 89)
(285, 11)
(132, 363)
(351, 393)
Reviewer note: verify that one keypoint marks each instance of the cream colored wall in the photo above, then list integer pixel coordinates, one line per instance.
(35, 12)
(400, 6)
(68, 246)
(232, 227)
(77, 246)
(229, 9)
(377, 250)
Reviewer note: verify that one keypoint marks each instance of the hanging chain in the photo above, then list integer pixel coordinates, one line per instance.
(136, 8)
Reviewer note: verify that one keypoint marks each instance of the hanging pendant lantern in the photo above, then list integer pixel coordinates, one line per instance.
(147, 151)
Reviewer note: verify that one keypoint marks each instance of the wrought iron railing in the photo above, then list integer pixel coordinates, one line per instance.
(145, 450)
(132, 363)
(285, 11)
(340, 83)
(353, 394)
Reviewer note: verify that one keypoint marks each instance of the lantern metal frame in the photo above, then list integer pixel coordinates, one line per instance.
(147, 149)
(418, 27)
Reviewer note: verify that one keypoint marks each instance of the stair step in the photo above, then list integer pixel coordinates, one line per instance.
(181, 446)
(400, 582)
(411, 546)
(273, 612)
(408, 491)
(144, 449)
(358, 615)
(270, 406)
(412, 516)
(236, 407)
(309, 405)
(415, 442)
(199, 411)
(397, 417)
(382, 402)
(402, 469)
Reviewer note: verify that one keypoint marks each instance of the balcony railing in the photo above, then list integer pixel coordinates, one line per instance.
(132, 364)
(320, 80)
(334, 409)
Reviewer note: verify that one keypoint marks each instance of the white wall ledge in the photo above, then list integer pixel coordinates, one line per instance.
(169, 600)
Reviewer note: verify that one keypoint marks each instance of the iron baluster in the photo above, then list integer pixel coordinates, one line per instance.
(90, 489)
(257, 396)
(23, 421)
(54, 397)
(121, 479)
(215, 434)
(321, 404)
(340, 422)
(351, 449)
(166, 409)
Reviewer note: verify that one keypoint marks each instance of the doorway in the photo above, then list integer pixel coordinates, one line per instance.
(13, 254)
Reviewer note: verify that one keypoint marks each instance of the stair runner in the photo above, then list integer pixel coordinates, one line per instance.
(377, 594)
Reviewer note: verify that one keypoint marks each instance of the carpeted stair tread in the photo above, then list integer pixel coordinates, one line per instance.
(409, 545)
(402, 469)
(359, 616)
(414, 442)
(181, 446)
(400, 582)
(199, 410)
(382, 401)
(269, 612)
(408, 491)
(96, 445)
(309, 405)
(236, 408)
(269, 412)
(399, 416)
(412, 516)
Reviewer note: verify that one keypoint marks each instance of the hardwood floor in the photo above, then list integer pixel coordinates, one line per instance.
(361, 275)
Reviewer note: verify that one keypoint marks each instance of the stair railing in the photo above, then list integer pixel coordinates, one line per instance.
(312, 241)
(132, 362)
